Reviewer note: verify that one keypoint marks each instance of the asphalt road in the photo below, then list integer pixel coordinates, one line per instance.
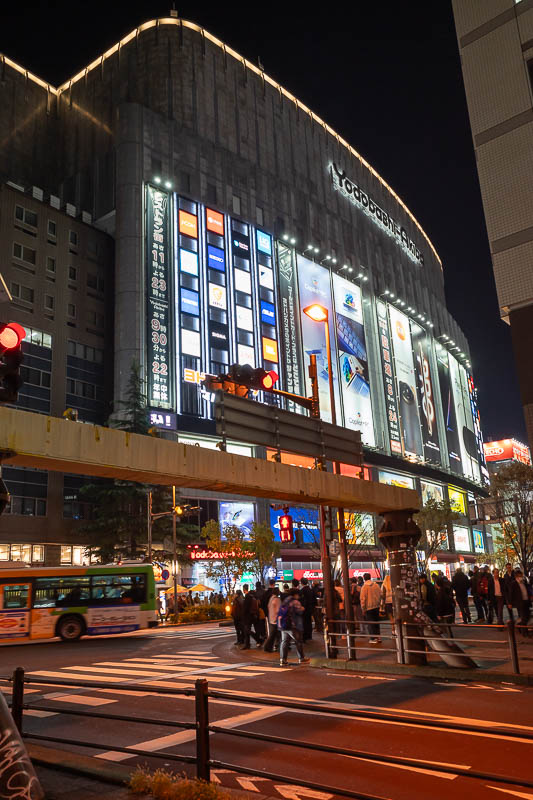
(174, 658)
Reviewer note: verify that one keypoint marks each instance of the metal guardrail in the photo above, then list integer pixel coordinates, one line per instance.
(354, 630)
(203, 759)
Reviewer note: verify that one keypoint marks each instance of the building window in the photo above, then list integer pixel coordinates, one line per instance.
(22, 292)
(35, 377)
(259, 215)
(71, 310)
(211, 193)
(81, 389)
(50, 264)
(73, 238)
(21, 552)
(27, 506)
(26, 216)
(92, 248)
(23, 253)
(77, 556)
(4, 552)
(52, 229)
(49, 302)
(85, 351)
(37, 553)
(236, 204)
(72, 273)
(66, 554)
(94, 282)
(96, 319)
(38, 337)
(185, 182)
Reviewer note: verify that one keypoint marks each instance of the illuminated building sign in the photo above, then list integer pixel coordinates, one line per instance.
(361, 199)
(462, 539)
(426, 393)
(507, 450)
(270, 350)
(188, 262)
(214, 555)
(406, 384)
(188, 224)
(264, 243)
(190, 303)
(159, 371)
(478, 541)
(268, 313)
(391, 400)
(163, 419)
(214, 221)
(457, 500)
(215, 258)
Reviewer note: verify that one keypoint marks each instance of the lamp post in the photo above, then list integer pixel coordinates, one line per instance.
(319, 313)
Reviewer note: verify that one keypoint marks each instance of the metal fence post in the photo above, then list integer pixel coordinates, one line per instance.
(511, 636)
(202, 730)
(17, 697)
(350, 640)
(399, 641)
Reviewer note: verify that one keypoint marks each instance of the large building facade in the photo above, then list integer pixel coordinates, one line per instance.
(233, 207)
(496, 45)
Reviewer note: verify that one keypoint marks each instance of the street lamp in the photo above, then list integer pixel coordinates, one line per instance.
(319, 313)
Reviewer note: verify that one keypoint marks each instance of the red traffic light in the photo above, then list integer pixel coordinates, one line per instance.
(268, 380)
(11, 335)
(286, 532)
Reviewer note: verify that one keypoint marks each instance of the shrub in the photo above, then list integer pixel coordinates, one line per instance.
(165, 785)
(200, 613)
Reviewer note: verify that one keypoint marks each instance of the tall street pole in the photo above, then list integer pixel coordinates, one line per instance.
(345, 567)
(149, 524)
(174, 548)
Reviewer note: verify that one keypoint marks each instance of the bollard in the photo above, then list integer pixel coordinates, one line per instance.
(399, 641)
(17, 776)
(350, 641)
(17, 697)
(511, 636)
(202, 730)
(326, 637)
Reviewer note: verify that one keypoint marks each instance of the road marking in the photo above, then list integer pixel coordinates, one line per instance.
(447, 776)
(477, 686)
(164, 742)
(34, 712)
(362, 677)
(268, 669)
(73, 676)
(78, 699)
(216, 772)
(157, 667)
(247, 783)
(524, 795)
(294, 792)
(112, 671)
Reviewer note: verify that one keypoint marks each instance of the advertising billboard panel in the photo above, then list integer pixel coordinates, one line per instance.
(159, 372)
(289, 313)
(457, 500)
(431, 491)
(391, 399)
(241, 515)
(469, 434)
(462, 539)
(353, 359)
(463, 432)
(396, 479)
(359, 531)
(425, 385)
(477, 430)
(478, 541)
(406, 383)
(507, 450)
(448, 409)
(305, 521)
(314, 285)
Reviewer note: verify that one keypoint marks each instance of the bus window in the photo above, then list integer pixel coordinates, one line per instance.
(16, 596)
(118, 589)
(71, 590)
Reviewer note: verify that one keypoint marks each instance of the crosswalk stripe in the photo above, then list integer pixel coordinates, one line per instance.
(78, 699)
(158, 667)
(34, 712)
(73, 676)
(113, 671)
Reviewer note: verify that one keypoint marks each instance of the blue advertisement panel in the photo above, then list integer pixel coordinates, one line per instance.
(314, 285)
(305, 520)
(215, 258)
(353, 359)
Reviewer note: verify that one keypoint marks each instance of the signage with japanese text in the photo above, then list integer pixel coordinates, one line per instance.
(159, 370)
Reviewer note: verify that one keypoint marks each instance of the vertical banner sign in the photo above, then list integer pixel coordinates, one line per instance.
(291, 357)
(353, 359)
(469, 433)
(448, 410)
(477, 429)
(159, 372)
(462, 429)
(391, 400)
(314, 285)
(426, 393)
(406, 382)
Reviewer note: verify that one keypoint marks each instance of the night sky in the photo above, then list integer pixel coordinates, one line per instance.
(387, 79)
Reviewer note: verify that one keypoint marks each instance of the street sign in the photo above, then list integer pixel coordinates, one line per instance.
(288, 574)
(270, 426)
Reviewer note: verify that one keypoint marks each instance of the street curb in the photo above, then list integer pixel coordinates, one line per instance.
(471, 675)
(67, 761)
(221, 622)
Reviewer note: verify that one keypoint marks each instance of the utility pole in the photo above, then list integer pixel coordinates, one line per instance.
(149, 524)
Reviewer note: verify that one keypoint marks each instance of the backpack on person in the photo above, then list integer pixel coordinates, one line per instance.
(483, 586)
(284, 619)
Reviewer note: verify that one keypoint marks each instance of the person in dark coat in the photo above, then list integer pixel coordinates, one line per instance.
(250, 615)
(461, 585)
(236, 613)
(507, 578)
(429, 597)
(445, 605)
(479, 601)
(308, 601)
(519, 597)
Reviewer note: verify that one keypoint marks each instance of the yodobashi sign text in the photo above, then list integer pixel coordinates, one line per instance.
(361, 199)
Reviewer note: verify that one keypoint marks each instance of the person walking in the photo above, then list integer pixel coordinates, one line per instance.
(274, 635)
(445, 605)
(498, 600)
(355, 592)
(250, 610)
(386, 600)
(318, 599)
(476, 596)
(290, 624)
(370, 601)
(507, 579)
(429, 596)
(308, 602)
(236, 613)
(260, 626)
(461, 585)
(519, 597)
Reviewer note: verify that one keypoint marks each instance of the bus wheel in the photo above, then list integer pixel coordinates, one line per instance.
(70, 628)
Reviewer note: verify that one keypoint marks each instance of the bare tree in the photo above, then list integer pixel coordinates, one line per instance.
(511, 504)
(434, 520)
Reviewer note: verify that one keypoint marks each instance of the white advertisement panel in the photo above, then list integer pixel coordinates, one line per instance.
(455, 380)
(462, 539)
(353, 360)
(406, 381)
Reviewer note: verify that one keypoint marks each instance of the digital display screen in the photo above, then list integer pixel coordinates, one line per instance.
(244, 318)
(241, 515)
(190, 343)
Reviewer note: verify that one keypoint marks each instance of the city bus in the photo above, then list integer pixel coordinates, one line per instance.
(70, 602)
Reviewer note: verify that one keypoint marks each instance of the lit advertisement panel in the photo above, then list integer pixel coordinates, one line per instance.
(160, 375)
(507, 450)
(268, 313)
(246, 355)
(270, 350)
(243, 281)
(406, 383)
(214, 221)
(359, 529)
(469, 434)
(448, 409)
(291, 342)
(215, 258)
(391, 399)
(217, 296)
(462, 429)
(314, 285)
(353, 359)
(396, 479)
(188, 224)
(426, 393)
(478, 541)
(241, 515)
(265, 308)
(431, 491)
(188, 262)
(472, 391)
(462, 539)
(457, 500)
(264, 242)
(305, 520)
(190, 302)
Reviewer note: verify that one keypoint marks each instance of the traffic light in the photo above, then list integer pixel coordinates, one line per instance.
(242, 378)
(11, 336)
(286, 530)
